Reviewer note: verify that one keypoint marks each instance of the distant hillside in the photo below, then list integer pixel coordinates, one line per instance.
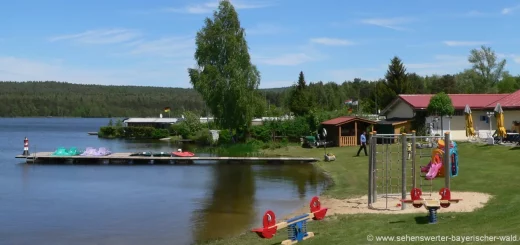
(23, 99)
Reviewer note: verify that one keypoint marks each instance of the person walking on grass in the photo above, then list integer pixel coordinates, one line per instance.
(363, 140)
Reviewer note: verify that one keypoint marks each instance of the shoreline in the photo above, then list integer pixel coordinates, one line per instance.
(345, 196)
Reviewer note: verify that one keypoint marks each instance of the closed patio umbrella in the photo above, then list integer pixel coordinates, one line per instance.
(470, 130)
(499, 114)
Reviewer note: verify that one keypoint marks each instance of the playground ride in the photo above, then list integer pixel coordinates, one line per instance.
(436, 166)
(431, 204)
(296, 227)
(382, 171)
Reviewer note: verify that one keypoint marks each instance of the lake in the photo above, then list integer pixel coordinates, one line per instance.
(133, 204)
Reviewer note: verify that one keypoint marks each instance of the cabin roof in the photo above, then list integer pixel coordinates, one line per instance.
(346, 119)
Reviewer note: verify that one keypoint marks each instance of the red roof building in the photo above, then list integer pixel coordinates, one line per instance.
(345, 131)
(405, 106)
(475, 101)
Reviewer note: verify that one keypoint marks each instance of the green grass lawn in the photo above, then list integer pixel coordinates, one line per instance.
(490, 169)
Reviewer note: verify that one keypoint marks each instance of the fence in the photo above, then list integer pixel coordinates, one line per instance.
(393, 160)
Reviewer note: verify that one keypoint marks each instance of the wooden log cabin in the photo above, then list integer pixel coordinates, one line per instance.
(345, 131)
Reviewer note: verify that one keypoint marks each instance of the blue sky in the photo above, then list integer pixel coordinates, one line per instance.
(136, 42)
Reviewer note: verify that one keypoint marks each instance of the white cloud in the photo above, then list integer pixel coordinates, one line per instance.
(275, 83)
(510, 9)
(164, 47)
(350, 74)
(101, 36)
(287, 55)
(442, 64)
(474, 13)
(210, 6)
(391, 23)
(285, 59)
(464, 43)
(331, 41)
(18, 69)
(264, 29)
(514, 57)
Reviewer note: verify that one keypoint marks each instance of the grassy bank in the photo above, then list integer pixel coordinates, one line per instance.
(489, 169)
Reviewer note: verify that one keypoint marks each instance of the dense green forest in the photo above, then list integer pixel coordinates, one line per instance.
(59, 99)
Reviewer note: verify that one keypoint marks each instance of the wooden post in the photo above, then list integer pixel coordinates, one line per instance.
(339, 136)
(447, 159)
(355, 132)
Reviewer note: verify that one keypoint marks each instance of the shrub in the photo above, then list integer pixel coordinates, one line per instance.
(107, 132)
(224, 137)
(261, 132)
(181, 129)
(160, 133)
(202, 137)
(139, 132)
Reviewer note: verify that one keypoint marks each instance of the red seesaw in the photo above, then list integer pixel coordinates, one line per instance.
(297, 226)
(431, 204)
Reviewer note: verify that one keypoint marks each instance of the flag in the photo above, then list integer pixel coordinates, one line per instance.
(355, 102)
(166, 109)
(348, 102)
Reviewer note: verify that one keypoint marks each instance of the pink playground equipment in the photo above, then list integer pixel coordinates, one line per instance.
(436, 166)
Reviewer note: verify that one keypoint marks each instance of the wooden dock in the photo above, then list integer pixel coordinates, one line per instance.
(126, 157)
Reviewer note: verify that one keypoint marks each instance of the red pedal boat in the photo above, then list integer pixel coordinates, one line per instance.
(180, 153)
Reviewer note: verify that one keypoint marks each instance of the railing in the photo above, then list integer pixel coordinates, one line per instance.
(347, 140)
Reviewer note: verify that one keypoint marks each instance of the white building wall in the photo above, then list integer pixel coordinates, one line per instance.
(457, 124)
(509, 117)
(481, 124)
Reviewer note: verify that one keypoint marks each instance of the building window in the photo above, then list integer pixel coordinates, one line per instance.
(459, 113)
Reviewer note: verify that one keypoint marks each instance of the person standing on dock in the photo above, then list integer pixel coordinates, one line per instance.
(363, 145)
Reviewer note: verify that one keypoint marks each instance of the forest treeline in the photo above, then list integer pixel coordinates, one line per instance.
(60, 99)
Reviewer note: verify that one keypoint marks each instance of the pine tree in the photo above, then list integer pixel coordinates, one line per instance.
(300, 100)
(396, 77)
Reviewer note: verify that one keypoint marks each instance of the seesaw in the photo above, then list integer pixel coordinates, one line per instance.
(296, 227)
(432, 205)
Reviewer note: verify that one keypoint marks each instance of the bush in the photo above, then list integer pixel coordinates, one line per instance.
(261, 133)
(107, 132)
(255, 144)
(181, 129)
(160, 133)
(202, 137)
(297, 128)
(111, 132)
(224, 137)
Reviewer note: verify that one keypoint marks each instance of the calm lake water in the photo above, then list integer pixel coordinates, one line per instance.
(127, 205)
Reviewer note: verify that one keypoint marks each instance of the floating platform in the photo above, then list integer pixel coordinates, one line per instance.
(125, 157)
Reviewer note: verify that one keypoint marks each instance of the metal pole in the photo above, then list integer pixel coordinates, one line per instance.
(414, 180)
(386, 170)
(370, 167)
(447, 160)
(403, 169)
(374, 168)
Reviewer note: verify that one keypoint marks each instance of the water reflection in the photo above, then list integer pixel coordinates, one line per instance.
(131, 205)
(302, 176)
(230, 207)
(242, 192)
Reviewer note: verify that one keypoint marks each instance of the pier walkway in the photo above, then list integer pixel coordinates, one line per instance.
(126, 157)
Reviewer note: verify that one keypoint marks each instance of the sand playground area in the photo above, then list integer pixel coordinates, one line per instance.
(471, 201)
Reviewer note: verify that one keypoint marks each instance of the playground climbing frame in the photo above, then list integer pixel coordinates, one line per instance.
(393, 169)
